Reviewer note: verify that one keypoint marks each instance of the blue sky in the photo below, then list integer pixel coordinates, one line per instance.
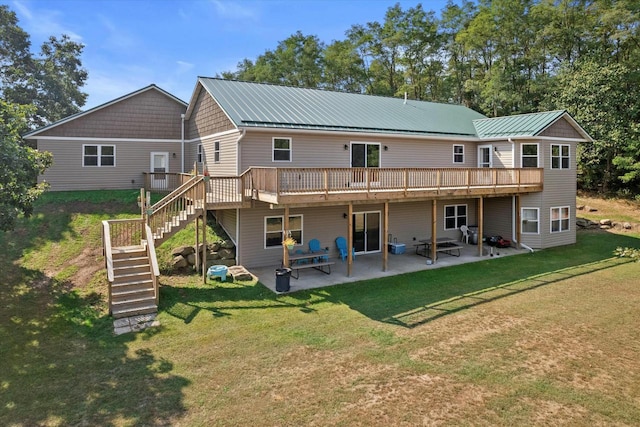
(130, 44)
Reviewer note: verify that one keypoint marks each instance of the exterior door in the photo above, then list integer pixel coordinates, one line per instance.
(365, 155)
(366, 232)
(159, 168)
(484, 156)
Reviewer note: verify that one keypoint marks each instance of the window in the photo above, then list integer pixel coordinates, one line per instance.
(274, 230)
(530, 220)
(560, 219)
(216, 152)
(559, 156)
(99, 155)
(281, 149)
(529, 155)
(200, 153)
(458, 154)
(455, 216)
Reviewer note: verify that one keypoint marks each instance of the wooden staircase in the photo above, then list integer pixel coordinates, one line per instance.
(129, 248)
(133, 287)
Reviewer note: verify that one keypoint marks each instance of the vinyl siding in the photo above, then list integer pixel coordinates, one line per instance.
(132, 159)
(227, 166)
(227, 220)
(322, 150)
(207, 118)
(406, 221)
(498, 217)
(147, 115)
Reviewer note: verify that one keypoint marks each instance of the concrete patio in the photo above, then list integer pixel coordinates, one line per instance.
(369, 266)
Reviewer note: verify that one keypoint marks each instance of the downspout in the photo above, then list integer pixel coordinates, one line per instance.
(526, 247)
(513, 153)
(182, 144)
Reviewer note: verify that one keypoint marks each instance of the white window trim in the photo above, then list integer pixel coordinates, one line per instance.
(99, 165)
(490, 147)
(264, 233)
(273, 149)
(199, 154)
(560, 156)
(444, 216)
(559, 208)
(216, 151)
(537, 220)
(537, 153)
(459, 154)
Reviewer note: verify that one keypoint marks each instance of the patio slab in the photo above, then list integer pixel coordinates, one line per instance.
(369, 266)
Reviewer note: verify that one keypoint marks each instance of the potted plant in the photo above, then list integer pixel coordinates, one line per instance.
(289, 242)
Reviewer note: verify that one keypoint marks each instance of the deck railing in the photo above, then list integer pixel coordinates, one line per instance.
(345, 180)
(124, 232)
(164, 181)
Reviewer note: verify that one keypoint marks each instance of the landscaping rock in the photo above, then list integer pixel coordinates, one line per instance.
(226, 253)
(214, 247)
(227, 244)
(191, 259)
(583, 223)
(626, 226)
(183, 250)
(605, 222)
(179, 262)
(238, 272)
(213, 255)
(590, 209)
(580, 207)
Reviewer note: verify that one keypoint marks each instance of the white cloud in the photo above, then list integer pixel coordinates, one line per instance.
(184, 67)
(43, 23)
(235, 10)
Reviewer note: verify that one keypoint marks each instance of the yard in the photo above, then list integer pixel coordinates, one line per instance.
(545, 338)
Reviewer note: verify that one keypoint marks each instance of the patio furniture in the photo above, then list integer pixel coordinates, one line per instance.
(465, 234)
(443, 244)
(320, 253)
(341, 243)
(299, 262)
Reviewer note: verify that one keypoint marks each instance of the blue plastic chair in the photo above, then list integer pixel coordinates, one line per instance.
(341, 243)
(314, 247)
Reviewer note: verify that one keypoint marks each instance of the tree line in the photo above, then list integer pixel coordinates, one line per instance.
(499, 57)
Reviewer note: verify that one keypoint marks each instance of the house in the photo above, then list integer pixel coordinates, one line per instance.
(112, 145)
(319, 164)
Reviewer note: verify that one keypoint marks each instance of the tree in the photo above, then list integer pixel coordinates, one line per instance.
(51, 81)
(603, 98)
(20, 166)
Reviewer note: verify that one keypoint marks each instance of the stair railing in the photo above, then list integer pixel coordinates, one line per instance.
(155, 270)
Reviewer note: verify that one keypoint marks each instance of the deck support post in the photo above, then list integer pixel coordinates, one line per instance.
(287, 233)
(197, 242)
(434, 228)
(385, 228)
(518, 222)
(480, 224)
(350, 239)
(204, 231)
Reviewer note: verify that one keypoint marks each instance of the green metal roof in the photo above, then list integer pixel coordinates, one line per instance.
(520, 125)
(264, 105)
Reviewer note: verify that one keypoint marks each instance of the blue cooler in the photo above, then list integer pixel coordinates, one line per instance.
(397, 248)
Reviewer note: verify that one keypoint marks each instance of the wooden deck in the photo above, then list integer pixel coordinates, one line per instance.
(318, 186)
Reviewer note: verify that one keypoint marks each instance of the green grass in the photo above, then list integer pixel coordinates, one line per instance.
(543, 338)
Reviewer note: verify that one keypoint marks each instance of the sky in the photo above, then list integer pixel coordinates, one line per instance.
(130, 44)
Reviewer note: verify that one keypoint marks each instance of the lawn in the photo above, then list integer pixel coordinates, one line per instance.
(545, 338)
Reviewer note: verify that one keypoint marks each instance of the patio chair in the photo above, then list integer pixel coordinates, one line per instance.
(465, 234)
(314, 247)
(341, 243)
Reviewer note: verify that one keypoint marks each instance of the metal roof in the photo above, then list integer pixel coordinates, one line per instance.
(520, 125)
(250, 104)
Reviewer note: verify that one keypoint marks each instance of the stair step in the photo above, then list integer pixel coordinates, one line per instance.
(126, 295)
(133, 310)
(140, 259)
(134, 301)
(131, 269)
(133, 282)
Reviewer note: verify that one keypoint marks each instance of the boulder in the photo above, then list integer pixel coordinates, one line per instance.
(191, 259)
(605, 222)
(580, 207)
(590, 209)
(626, 226)
(226, 253)
(227, 244)
(583, 223)
(179, 262)
(213, 255)
(182, 250)
(214, 247)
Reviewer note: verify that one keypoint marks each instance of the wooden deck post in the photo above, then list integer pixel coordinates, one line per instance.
(434, 228)
(350, 239)
(385, 233)
(197, 242)
(204, 229)
(480, 224)
(518, 222)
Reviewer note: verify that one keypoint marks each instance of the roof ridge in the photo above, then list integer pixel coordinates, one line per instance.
(325, 90)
